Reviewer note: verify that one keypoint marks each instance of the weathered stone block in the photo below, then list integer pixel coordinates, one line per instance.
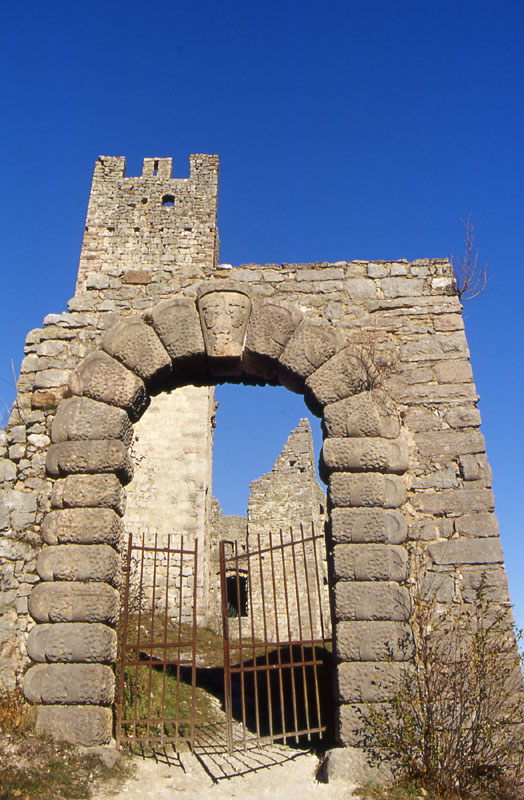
(69, 684)
(467, 551)
(370, 562)
(374, 641)
(312, 343)
(271, 325)
(177, 323)
(463, 417)
(439, 586)
(446, 478)
(83, 418)
(74, 602)
(435, 346)
(492, 582)
(7, 470)
(368, 525)
(364, 414)
(103, 378)
(78, 562)
(79, 641)
(107, 455)
(402, 287)
(368, 681)
(454, 501)
(365, 455)
(347, 373)
(450, 443)
(80, 725)
(371, 489)
(224, 307)
(476, 525)
(84, 491)
(350, 723)
(82, 526)
(373, 600)
(350, 765)
(137, 346)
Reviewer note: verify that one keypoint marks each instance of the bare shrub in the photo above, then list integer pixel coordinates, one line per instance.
(471, 276)
(456, 723)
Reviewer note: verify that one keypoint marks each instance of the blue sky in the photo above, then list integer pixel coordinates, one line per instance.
(345, 130)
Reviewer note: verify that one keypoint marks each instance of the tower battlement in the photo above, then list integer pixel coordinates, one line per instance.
(152, 221)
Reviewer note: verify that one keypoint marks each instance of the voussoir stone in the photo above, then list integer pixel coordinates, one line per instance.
(82, 526)
(370, 562)
(177, 323)
(74, 602)
(90, 456)
(369, 489)
(80, 725)
(371, 600)
(92, 684)
(372, 525)
(312, 343)
(369, 413)
(467, 551)
(72, 642)
(374, 641)
(85, 491)
(83, 418)
(137, 346)
(347, 373)
(103, 378)
(78, 562)
(368, 682)
(270, 327)
(362, 455)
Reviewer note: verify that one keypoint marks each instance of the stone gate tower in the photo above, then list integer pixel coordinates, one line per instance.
(377, 349)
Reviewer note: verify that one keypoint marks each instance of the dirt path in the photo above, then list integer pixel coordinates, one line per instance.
(279, 773)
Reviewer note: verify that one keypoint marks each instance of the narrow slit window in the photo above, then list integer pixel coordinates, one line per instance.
(155, 168)
(168, 201)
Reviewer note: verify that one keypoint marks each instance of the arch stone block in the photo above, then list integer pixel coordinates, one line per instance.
(138, 347)
(270, 327)
(312, 343)
(93, 684)
(372, 525)
(101, 377)
(368, 489)
(91, 456)
(177, 324)
(363, 455)
(370, 562)
(371, 600)
(78, 562)
(82, 526)
(82, 725)
(82, 418)
(373, 641)
(347, 373)
(74, 602)
(72, 642)
(88, 491)
(369, 413)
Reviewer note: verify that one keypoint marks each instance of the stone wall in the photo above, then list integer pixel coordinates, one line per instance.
(377, 348)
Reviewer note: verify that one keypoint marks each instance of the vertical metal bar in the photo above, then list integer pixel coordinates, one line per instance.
(311, 624)
(299, 615)
(150, 665)
(290, 637)
(123, 644)
(164, 665)
(138, 629)
(277, 637)
(240, 648)
(227, 664)
(266, 649)
(253, 639)
(193, 646)
(319, 591)
(179, 642)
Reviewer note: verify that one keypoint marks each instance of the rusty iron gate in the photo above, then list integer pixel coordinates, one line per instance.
(157, 641)
(274, 623)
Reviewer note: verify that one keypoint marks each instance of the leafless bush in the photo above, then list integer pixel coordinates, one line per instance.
(471, 276)
(456, 723)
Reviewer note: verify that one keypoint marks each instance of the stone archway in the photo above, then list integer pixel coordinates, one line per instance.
(218, 334)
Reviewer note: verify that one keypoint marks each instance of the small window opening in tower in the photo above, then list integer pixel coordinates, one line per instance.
(168, 201)
(236, 586)
(155, 168)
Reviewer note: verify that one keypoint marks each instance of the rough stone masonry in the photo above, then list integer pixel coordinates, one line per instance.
(378, 351)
